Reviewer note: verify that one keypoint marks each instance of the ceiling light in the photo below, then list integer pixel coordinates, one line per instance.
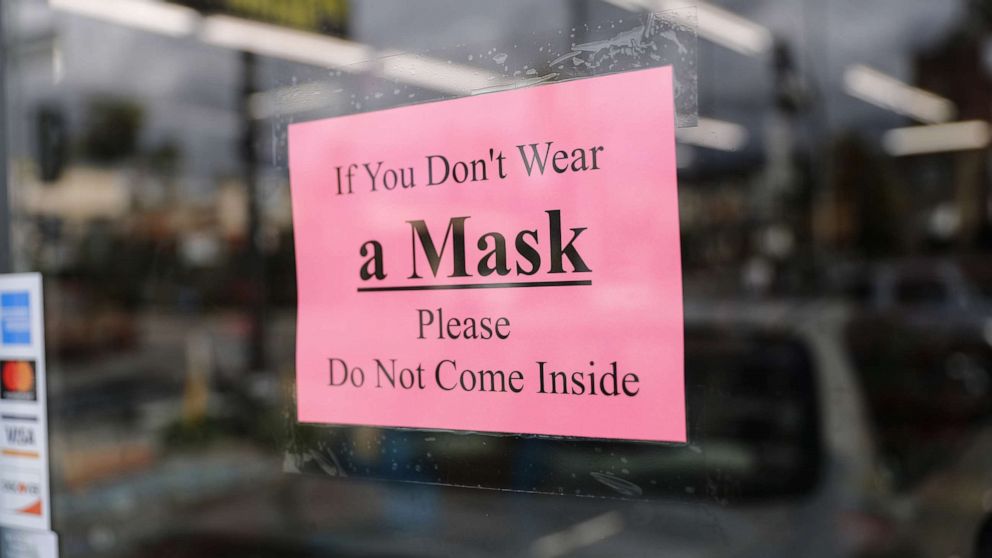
(714, 134)
(887, 92)
(937, 138)
(433, 73)
(299, 46)
(156, 17)
(712, 23)
(293, 99)
(275, 41)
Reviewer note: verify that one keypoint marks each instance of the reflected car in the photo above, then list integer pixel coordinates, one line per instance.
(780, 459)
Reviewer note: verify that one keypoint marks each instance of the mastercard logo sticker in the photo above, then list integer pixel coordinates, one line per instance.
(17, 380)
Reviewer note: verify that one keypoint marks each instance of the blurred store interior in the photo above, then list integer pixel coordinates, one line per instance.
(836, 219)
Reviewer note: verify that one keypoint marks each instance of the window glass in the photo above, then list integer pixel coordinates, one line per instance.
(835, 230)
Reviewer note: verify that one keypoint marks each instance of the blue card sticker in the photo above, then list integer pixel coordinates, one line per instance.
(15, 318)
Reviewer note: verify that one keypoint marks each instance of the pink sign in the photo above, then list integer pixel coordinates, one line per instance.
(501, 263)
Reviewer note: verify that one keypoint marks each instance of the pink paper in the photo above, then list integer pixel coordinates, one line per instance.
(615, 298)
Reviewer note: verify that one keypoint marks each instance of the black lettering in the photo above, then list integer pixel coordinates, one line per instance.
(498, 253)
(594, 151)
(453, 322)
(372, 175)
(491, 376)
(513, 378)
(344, 376)
(630, 376)
(373, 266)
(579, 163)
(578, 384)
(382, 371)
(607, 379)
(578, 265)
(437, 374)
(559, 156)
(487, 330)
(499, 324)
(430, 169)
(420, 314)
(536, 159)
(456, 231)
(528, 252)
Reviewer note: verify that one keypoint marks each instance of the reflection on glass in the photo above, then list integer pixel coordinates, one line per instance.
(836, 229)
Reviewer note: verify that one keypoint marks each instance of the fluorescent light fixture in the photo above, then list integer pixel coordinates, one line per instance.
(288, 44)
(293, 99)
(731, 30)
(156, 17)
(712, 23)
(433, 73)
(937, 138)
(299, 46)
(887, 92)
(714, 134)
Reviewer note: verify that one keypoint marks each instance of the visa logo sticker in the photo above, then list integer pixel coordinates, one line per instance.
(20, 441)
(19, 436)
(15, 318)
